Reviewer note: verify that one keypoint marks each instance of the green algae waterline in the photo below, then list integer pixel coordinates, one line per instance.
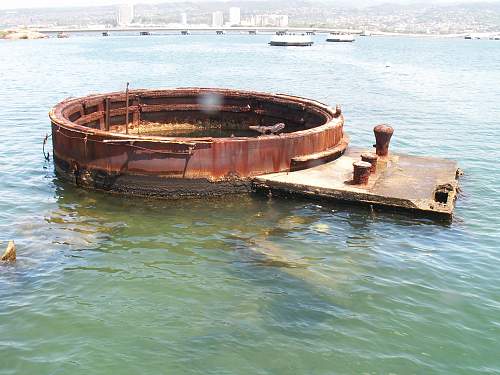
(246, 285)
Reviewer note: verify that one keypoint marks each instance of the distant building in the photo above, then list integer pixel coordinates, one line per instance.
(234, 16)
(279, 20)
(217, 19)
(125, 14)
(282, 20)
(184, 20)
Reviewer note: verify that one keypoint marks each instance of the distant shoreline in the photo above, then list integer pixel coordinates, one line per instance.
(40, 33)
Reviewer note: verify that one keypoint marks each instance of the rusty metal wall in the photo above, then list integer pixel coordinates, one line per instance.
(81, 142)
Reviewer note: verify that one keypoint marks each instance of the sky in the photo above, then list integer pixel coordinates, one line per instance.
(10, 4)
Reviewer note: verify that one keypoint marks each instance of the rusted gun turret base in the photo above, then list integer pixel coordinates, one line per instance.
(424, 184)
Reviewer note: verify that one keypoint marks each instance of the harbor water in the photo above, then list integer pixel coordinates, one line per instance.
(246, 284)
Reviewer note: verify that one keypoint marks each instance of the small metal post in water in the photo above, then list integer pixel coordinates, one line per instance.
(126, 109)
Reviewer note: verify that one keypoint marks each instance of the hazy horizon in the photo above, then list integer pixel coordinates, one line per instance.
(23, 4)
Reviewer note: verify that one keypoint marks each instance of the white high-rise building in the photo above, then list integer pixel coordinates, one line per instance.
(184, 18)
(234, 16)
(217, 19)
(280, 20)
(125, 14)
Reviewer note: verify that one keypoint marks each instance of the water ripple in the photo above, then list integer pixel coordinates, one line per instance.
(248, 285)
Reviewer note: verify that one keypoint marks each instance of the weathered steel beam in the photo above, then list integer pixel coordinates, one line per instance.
(126, 109)
(108, 114)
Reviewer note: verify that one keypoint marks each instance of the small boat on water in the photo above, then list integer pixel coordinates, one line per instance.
(291, 40)
(185, 32)
(62, 35)
(105, 33)
(145, 33)
(341, 38)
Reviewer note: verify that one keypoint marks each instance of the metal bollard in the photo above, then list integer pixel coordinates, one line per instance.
(383, 134)
(371, 158)
(361, 172)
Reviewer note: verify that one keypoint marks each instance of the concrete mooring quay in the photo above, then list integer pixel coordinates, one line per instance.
(421, 184)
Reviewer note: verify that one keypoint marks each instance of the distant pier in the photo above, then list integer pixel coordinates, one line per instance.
(196, 29)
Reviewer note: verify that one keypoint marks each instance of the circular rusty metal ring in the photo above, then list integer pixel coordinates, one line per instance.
(90, 132)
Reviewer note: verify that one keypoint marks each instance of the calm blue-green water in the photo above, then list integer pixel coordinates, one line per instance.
(247, 285)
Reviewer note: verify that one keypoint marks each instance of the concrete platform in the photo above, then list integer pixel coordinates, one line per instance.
(422, 184)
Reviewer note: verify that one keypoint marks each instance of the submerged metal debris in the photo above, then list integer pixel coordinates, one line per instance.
(10, 253)
(275, 129)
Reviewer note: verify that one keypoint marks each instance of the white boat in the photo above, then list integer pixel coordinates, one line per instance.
(297, 40)
(340, 38)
